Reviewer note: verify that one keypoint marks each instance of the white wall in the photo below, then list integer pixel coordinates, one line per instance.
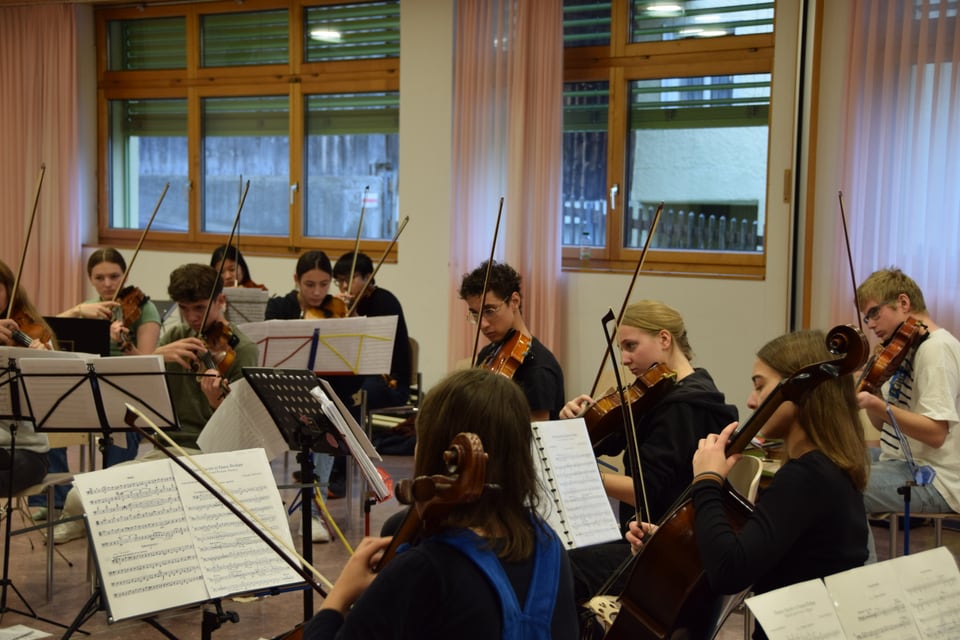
(727, 319)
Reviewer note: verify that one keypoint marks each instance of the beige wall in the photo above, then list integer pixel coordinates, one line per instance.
(727, 319)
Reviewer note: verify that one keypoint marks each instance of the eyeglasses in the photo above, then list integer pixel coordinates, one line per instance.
(489, 312)
(874, 312)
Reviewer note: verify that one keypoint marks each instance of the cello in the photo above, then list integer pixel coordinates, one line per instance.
(682, 604)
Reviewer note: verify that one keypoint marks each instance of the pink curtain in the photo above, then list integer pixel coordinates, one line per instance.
(38, 103)
(901, 167)
(508, 84)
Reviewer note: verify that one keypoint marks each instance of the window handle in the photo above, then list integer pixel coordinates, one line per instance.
(293, 190)
(614, 190)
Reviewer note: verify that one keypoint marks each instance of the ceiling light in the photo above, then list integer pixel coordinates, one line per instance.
(326, 35)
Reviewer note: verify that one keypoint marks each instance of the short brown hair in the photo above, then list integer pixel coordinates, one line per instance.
(885, 285)
(194, 282)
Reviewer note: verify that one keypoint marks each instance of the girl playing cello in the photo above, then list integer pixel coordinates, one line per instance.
(437, 588)
(810, 521)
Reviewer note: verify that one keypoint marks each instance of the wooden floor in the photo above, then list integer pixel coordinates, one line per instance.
(264, 617)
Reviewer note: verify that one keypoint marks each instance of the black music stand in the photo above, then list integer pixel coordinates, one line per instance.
(286, 394)
(71, 395)
(14, 416)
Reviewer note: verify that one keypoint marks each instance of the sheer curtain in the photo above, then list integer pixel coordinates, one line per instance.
(508, 83)
(39, 126)
(902, 150)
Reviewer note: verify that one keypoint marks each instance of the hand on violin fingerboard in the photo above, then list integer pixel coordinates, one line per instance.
(576, 407)
(184, 352)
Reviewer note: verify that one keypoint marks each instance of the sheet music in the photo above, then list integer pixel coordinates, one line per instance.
(579, 509)
(233, 559)
(242, 422)
(906, 598)
(360, 448)
(359, 346)
(160, 542)
(61, 397)
(804, 611)
(6, 375)
(246, 304)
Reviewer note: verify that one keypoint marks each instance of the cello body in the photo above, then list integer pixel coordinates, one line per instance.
(668, 595)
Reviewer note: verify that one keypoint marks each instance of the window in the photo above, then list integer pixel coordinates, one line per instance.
(675, 109)
(298, 97)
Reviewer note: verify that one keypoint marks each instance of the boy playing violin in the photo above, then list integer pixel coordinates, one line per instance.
(183, 351)
(500, 317)
(923, 395)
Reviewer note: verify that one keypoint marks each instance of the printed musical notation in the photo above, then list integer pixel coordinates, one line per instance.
(161, 540)
(906, 598)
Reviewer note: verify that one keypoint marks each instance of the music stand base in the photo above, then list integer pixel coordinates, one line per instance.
(29, 613)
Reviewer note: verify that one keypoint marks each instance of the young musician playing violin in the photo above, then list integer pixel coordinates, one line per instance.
(105, 269)
(435, 589)
(195, 397)
(311, 298)
(924, 397)
(29, 459)
(667, 432)
(810, 521)
(235, 270)
(500, 317)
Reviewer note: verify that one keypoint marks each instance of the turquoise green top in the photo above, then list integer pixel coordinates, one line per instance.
(148, 313)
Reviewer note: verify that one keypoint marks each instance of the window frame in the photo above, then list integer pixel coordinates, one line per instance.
(296, 80)
(623, 62)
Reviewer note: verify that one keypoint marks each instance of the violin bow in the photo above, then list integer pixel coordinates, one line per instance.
(233, 230)
(26, 241)
(230, 501)
(356, 243)
(356, 301)
(853, 278)
(236, 280)
(486, 281)
(143, 235)
(626, 298)
(629, 426)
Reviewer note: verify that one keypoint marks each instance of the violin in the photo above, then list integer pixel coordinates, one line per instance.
(131, 301)
(220, 355)
(605, 416)
(332, 307)
(682, 601)
(509, 355)
(885, 362)
(30, 329)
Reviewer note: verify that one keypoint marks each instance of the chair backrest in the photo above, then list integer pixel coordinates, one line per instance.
(416, 386)
(745, 476)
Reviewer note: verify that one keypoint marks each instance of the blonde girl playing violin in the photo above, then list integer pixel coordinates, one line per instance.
(135, 325)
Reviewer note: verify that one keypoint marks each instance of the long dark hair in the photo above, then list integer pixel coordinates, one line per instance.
(230, 252)
(494, 408)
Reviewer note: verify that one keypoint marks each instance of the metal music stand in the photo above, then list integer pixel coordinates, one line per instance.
(90, 394)
(290, 397)
(9, 383)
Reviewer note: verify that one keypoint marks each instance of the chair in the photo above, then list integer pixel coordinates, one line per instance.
(389, 417)
(46, 487)
(745, 476)
(894, 522)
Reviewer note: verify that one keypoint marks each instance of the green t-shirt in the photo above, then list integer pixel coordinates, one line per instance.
(191, 406)
(148, 313)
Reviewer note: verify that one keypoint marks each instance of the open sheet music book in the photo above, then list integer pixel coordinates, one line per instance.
(905, 598)
(575, 503)
(352, 346)
(162, 541)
